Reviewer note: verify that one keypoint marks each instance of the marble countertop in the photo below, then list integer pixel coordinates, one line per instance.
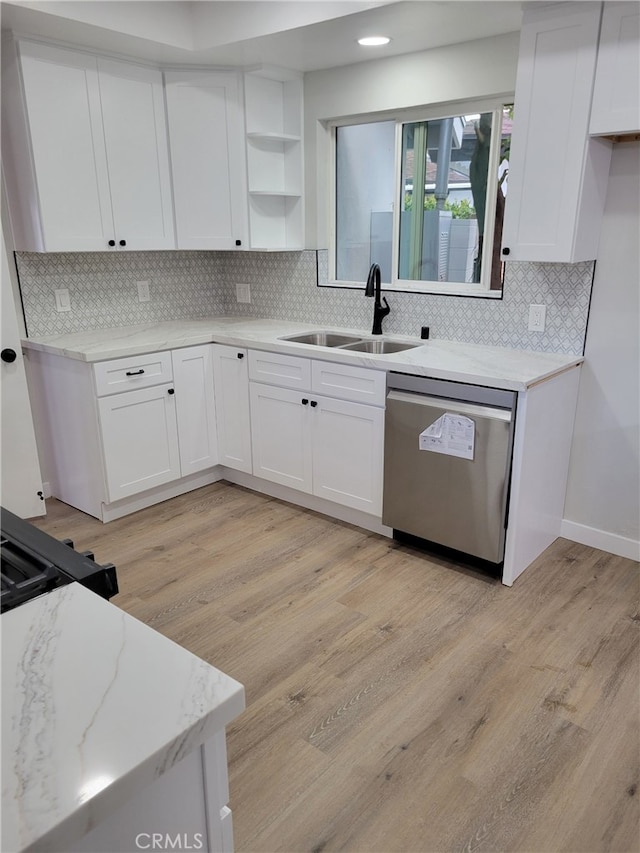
(498, 367)
(95, 705)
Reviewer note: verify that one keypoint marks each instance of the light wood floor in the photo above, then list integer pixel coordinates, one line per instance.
(394, 702)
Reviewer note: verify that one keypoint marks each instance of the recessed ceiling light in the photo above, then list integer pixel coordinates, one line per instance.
(374, 41)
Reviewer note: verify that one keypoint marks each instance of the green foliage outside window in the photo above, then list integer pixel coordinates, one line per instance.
(462, 209)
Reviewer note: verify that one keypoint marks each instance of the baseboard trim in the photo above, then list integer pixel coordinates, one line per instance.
(118, 509)
(621, 546)
(334, 510)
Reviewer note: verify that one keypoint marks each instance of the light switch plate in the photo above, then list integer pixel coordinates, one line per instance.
(143, 291)
(63, 302)
(537, 318)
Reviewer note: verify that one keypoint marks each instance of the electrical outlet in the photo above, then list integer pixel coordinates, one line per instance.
(63, 303)
(537, 317)
(143, 291)
(243, 292)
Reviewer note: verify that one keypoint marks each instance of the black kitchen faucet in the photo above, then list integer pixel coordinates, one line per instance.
(380, 311)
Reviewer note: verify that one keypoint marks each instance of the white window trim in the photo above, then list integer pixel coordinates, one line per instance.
(425, 113)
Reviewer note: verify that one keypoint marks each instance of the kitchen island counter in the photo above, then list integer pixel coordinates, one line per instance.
(498, 367)
(96, 706)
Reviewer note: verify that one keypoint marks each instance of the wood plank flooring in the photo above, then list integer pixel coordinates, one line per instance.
(395, 701)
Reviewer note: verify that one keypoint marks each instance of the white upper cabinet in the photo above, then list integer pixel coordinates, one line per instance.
(557, 175)
(206, 138)
(96, 130)
(616, 95)
(273, 111)
(135, 136)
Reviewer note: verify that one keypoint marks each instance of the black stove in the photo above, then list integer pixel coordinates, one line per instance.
(34, 563)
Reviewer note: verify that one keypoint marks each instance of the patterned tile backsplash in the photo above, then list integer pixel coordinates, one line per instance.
(103, 292)
(183, 285)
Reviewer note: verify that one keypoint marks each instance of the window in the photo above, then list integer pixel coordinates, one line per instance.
(424, 199)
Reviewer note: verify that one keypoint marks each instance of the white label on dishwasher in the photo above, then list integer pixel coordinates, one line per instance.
(453, 435)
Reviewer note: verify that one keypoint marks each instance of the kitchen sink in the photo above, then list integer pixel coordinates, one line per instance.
(323, 339)
(380, 347)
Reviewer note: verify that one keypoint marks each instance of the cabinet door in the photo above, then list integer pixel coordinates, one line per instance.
(140, 440)
(557, 175)
(281, 435)
(616, 95)
(62, 99)
(231, 382)
(195, 408)
(137, 154)
(206, 138)
(348, 441)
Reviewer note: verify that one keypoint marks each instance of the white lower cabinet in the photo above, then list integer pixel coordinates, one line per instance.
(347, 453)
(331, 448)
(195, 408)
(139, 440)
(152, 436)
(281, 436)
(183, 808)
(118, 429)
(231, 381)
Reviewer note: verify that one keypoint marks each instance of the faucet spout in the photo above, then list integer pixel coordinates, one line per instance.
(373, 288)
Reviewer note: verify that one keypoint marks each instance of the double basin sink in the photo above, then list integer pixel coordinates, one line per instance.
(354, 343)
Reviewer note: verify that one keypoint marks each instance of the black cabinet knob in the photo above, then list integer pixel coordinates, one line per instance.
(8, 355)
(112, 242)
(123, 242)
(240, 355)
(305, 402)
(171, 391)
(506, 251)
(238, 242)
(314, 403)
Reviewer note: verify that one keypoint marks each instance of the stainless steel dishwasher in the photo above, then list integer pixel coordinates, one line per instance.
(447, 463)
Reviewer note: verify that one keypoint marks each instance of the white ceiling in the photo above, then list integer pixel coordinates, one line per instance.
(302, 34)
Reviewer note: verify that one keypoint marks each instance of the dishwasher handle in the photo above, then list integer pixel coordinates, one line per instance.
(454, 406)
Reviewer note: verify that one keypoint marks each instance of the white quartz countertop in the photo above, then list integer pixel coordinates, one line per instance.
(498, 367)
(95, 706)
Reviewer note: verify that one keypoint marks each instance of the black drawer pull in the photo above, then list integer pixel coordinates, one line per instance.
(171, 391)
(9, 355)
(506, 251)
(314, 403)
(305, 402)
(134, 372)
(123, 242)
(240, 355)
(112, 242)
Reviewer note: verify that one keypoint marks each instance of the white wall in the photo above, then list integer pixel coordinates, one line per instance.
(603, 495)
(461, 72)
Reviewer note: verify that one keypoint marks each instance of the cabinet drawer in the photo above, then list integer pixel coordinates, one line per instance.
(358, 384)
(140, 371)
(288, 371)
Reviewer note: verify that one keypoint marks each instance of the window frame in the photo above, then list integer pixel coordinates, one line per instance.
(433, 112)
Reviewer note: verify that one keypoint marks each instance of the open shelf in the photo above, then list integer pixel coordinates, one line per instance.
(273, 114)
(276, 137)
